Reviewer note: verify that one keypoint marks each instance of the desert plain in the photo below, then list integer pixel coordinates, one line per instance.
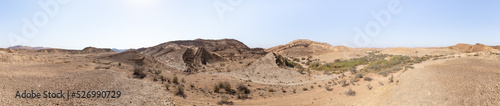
(227, 72)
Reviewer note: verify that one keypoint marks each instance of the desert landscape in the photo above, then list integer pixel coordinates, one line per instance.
(228, 72)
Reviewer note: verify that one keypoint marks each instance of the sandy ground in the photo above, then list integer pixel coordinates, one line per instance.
(76, 74)
(455, 81)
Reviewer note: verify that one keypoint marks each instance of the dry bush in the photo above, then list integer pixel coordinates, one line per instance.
(191, 85)
(344, 83)
(163, 79)
(381, 83)
(350, 92)
(225, 100)
(359, 75)
(241, 95)
(327, 87)
(304, 89)
(139, 72)
(175, 80)
(167, 86)
(369, 87)
(271, 90)
(243, 88)
(223, 85)
(155, 78)
(180, 92)
(368, 79)
(157, 72)
(242, 91)
(391, 79)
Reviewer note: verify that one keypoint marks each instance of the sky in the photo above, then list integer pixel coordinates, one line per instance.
(75, 24)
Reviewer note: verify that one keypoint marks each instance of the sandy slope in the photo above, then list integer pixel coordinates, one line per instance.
(456, 81)
(76, 74)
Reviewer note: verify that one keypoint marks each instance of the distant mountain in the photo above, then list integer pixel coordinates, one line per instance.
(119, 50)
(472, 48)
(20, 47)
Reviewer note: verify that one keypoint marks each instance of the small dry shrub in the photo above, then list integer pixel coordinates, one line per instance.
(344, 83)
(180, 92)
(368, 79)
(225, 100)
(350, 92)
(391, 79)
(175, 80)
(139, 72)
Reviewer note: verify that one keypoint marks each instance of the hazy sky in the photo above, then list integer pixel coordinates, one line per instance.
(75, 24)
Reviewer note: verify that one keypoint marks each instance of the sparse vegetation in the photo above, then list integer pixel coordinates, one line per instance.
(341, 65)
(368, 78)
(391, 79)
(327, 87)
(167, 86)
(350, 92)
(157, 72)
(139, 72)
(344, 83)
(155, 78)
(224, 100)
(180, 92)
(359, 75)
(223, 85)
(175, 80)
(369, 87)
(243, 91)
(271, 90)
(162, 78)
(314, 64)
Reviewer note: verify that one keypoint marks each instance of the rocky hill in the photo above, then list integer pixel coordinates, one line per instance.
(133, 57)
(83, 51)
(192, 55)
(303, 47)
(271, 68)
(496, 47)
(467, 48)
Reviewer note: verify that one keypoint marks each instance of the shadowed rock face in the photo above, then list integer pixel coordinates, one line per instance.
(191, 55)
(496, 47)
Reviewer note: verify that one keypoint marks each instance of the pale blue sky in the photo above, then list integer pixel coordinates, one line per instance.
(257, 23)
